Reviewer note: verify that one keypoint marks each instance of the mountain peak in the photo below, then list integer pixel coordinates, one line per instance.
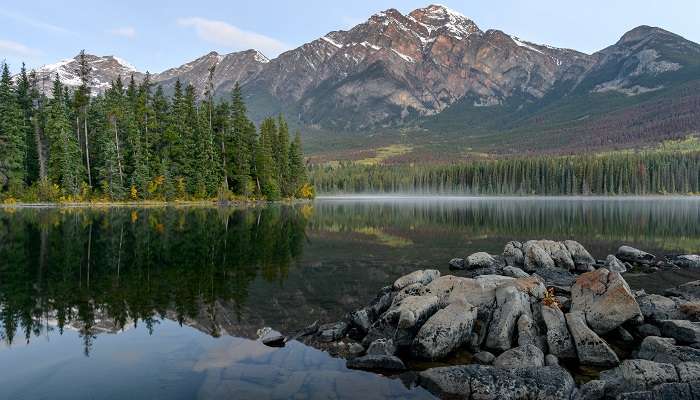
(641, 32)
(435, 17)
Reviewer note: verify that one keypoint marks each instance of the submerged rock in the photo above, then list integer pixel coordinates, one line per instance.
(591, 349)
(421, 276)
(457, 263)
(520, 357)
(605, 299)
(480, 260)
(630, 254)
(444, 332)
(376, 362)
(687, 261)
(274, 341)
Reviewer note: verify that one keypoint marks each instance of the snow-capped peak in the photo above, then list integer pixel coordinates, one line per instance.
(260, 57)
(124, 63)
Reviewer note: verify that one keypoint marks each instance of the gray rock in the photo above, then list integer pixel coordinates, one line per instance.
(332, 332)
(536, 257)
(457, 263)
(415, 289)
(513, 254)
(380, 303)
(527, 332)
(613, 264)
(551, 360)
(355, 350)
(687, 261)
(480, 292)
(559, 340)
(673, 391)
(421, 276)
(559, 254)
(274, 341)
(642, 395)
(579, 254)
(689, 291)
(630, 254)
(665, 350)
(637, 375)
(688, 371)
(484, 357)
(520, 357)
(360, 319)
(511, 304)
(557, 278)
(515, 272)
(624, 334)
(487, 382)
(685, 332)
(655, 307)
(375, 362)
(412, 311)
(591, 390)
(645, 330)
(444, 332)
(605, 299)
(382, 347)
(480, 260)
(591, 349)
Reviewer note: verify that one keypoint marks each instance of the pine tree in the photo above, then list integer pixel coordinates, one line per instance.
(265, 169)
(281, 151)
(12, 141)
(64, 152)
(241, 145)
(297, 169)
(81, 101)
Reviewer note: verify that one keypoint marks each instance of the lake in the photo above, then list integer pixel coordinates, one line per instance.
(166, 302)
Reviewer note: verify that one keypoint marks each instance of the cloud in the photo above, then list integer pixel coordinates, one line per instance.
(128, 32)
(225, 34)
(33, 22)
(17, 49)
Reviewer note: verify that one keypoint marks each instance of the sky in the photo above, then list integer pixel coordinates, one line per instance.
(156, 35)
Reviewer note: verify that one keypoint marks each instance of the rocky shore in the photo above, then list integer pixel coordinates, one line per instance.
(527, 320)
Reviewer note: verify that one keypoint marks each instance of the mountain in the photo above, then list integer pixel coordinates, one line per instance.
(103, 71)
(434, 80)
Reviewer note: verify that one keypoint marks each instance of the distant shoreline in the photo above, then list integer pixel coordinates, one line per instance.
(153, 204)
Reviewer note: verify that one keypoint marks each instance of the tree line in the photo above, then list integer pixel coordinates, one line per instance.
(639, 173)
(132, 142)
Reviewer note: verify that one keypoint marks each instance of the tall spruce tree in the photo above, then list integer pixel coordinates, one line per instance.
(12, 141)
(265, 167)
(65, 164)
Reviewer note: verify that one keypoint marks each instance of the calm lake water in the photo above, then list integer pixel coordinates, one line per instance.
(165, 303)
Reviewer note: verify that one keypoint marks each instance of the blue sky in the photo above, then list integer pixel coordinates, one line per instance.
(155, 35)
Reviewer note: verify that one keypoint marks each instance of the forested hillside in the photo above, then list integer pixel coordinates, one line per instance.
(134, 143)
(609, 174)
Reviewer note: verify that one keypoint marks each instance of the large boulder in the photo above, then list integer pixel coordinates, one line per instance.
(511, 303)
(480, 292)
(689, 291)
(375, 362)
(557, 278)
(665, 350)
(513, 254)
(457, 263)
(481, 260)
(559, 339)
(630, 254)
(536, 257)
(637, 375)
(579, 254)
(414, 311)
(687, 261)
(655, 307)
(688, 371)
(520, 357)
(487, 382)
(515, 272)
(332, 332)
(423, 277)
(444, 332)
(605, 299)
(684, 331)
(559, 254)
(382, 347)
(614, 264)
(591, 349)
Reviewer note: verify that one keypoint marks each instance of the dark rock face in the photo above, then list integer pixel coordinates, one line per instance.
(685, 332)
(457, 264)
(376, 362)
(331, 332)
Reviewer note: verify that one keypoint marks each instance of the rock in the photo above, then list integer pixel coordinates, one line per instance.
(591, 349)
(380, 303)
(559, 254)
(511, 304)
(673, 391)
(687, 261)
(665, 350)
(355, 350)
(613, 264)
(564, 303)
(579, 254)
(557, 278)
(332, 332)
(551, 360)
(688, 371)
(376, 362)
(624, 334)
(536, 257)
(559, 340)
(637, 375)
(527, 332)
(630, 254)
(591, 390)
(689, 291)
(274, 341)
(444, 332)
(645, 330)
(513, 254)
(415, 310)
(655, 307)
(457, 263)
(520, 357)
(360, 319)
(383, 347)
(421, 276)
(480, 260)
(605, 299)
(515, 272)
(415, 289)
(480, 292)
(487, 382)
(484, 357)
(644, 395)
(477, 272)
(685, 332)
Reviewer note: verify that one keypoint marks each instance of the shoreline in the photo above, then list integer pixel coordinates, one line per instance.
(154, 204)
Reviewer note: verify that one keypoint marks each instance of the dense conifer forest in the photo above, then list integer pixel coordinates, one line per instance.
(640, 173)
(132, 142)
